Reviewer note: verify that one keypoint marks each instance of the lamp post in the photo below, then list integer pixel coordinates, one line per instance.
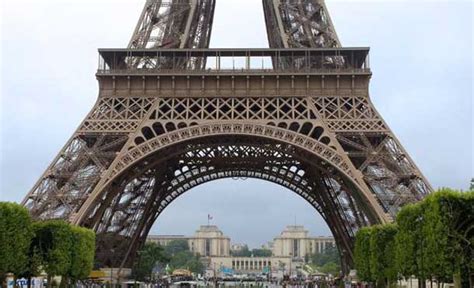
(111, 271)
(291, 261)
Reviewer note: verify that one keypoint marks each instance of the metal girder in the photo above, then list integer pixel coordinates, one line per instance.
(66, 184)
(174, 24)
(299, 24)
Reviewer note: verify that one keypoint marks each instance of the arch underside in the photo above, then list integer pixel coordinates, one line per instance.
(130, 205)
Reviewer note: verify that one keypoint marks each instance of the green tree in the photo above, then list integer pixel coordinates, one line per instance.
(382, 254)
(35, 263)
(176, 246)
(448, 230)
(244, 252)
(54, 240)
(15, 238)
(437, 252)
(471, 185)
(148, 257)
(408, 240)
(82, 253)
(362, 254)
(330, 268)
(261, 252)
(187, 260)
(195, 265)
(328, 255)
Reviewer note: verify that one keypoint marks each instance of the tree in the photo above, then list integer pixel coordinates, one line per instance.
(437, 251)
(15, 238)
(148, 257)
(471, 185)
(176, 246)
(432, 239)
(195, 265)
(362, 254)
(408, 240)
(187, 260)
(435, 237)
(448, 230)
(82, 253)
(54, 240)
(327, 261)
(35, 260)
(244, 252)
(382, 254)
(261, 252)
(330, 268)
(61, 249)
(328, 255)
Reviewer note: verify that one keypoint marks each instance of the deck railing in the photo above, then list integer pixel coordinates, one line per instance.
(209, 61)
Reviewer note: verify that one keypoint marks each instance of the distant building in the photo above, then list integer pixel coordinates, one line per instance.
(288, 249)
(245, 265)
(163, 240)
(207, 241)
(295, 242)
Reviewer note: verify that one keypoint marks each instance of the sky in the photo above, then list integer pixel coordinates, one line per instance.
(421, 57)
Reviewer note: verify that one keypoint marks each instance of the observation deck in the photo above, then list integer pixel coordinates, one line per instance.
(261, 61)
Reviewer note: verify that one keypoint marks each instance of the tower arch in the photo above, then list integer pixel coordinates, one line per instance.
(133, 198)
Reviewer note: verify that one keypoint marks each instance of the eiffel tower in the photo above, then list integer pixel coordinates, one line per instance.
(173, 114)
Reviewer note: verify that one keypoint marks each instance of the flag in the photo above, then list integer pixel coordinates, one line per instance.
(209, 217)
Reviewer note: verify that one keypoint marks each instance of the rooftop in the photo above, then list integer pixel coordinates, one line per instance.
(209, 228)
(167, 236)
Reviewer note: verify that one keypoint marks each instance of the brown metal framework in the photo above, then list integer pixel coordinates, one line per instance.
(173, 114)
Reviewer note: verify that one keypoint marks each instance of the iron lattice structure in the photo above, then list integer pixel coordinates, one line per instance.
(173, 114)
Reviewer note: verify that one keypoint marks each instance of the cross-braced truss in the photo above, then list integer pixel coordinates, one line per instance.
(166, 122)
(299, 24)
(174, 24)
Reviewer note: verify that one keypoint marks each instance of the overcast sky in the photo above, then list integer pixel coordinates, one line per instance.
(421, 57)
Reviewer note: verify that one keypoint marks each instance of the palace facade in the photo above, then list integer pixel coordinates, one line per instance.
(208, 241)
(295, 242)
(288, 249)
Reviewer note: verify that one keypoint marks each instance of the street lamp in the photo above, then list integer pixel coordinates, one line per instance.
(111, 271)
(291, 260)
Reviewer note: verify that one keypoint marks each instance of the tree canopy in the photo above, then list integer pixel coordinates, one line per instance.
(186, 260)
(448, 230)
(176, 246)
(58, 248)
(328, 255)
(408, 241)
(362, 254)
(15, 238)
(261, 252)
(432, 240)
(147, 259)
(327, 261)
(382, 253)
(256, 252)
(82, 253)
(244, 252)
(55, 242)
